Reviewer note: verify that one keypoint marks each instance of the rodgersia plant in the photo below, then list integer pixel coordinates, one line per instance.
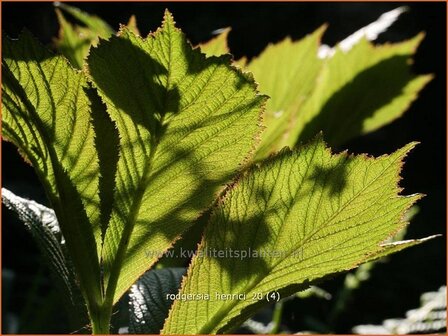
(150, 136)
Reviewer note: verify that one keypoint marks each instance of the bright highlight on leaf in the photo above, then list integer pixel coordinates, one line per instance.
(186, 124)
(307, 214)
(360, 88)
(369, 32)
(145, 141)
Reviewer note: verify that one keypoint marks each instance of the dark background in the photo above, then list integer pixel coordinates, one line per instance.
(395, 286)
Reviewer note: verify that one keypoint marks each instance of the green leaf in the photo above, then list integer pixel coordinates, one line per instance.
(217, 46)
(299, 217)
(94, 23)
(46, 114)
(44, 227)
(287, 72)
(74, 41)
(186, 124)
(360, 91)
(149, 303)
(132, 25)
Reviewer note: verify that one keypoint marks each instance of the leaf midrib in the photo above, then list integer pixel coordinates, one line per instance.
(137, 203)
(222, 312)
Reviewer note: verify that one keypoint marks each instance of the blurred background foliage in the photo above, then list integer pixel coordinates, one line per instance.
(392, 287)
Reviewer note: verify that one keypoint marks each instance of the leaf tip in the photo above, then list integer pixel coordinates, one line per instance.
(168, 19)
(405, 150)
(224, 32)
(321, 30)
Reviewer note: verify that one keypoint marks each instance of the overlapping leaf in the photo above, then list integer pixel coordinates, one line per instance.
(217, 46)
(300, 216)
(132, 25)
(186, 123)
(287, 73)
(360, 91)
(44, 227)
(149, 302)
(183, 124)
(350, 93)
(46, 114)
(74, 41)
(94, 23)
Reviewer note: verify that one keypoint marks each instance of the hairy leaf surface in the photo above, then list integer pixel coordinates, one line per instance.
(287, 73)
(46, 114)
(306, 214)
(360, 91)
(186, 123)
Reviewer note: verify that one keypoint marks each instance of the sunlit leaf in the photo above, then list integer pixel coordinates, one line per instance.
(140, 148)
(360, 91)
(74, 41)
(186, 124)
(132, 25)
(94, 23)
(287, 73)
(300, 216)
(47, 114)
(217, 46)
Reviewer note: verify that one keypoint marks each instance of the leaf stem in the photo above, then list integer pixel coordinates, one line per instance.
(277, 318)
(101, 320)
